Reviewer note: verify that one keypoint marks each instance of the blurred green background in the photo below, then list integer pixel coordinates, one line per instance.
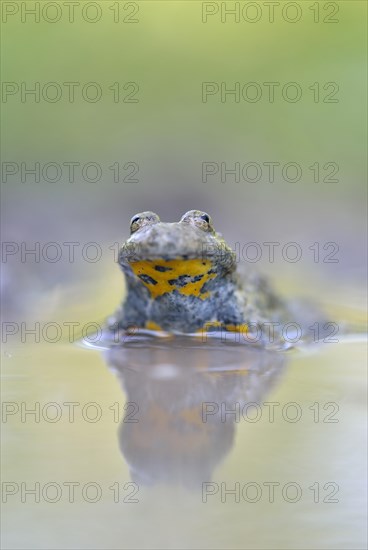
(169, 51)
(170, 131)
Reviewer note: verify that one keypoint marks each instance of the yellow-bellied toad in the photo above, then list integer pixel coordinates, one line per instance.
(182, 278)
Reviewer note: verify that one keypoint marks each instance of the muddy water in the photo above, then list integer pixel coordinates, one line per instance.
(183, 445)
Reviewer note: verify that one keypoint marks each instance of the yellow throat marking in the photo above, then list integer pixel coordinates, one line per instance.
(186, 276)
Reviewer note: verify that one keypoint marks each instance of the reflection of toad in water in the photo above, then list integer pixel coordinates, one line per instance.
(181, 395)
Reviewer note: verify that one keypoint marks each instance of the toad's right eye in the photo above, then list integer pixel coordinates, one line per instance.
(141, 220)
(134, 224)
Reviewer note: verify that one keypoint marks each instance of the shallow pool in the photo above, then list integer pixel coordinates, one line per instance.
(172, 445)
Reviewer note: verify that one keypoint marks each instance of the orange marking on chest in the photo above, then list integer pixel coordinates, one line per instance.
(186, 276)
(151, 325)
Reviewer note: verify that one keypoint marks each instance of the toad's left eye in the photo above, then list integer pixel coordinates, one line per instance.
(199, 219)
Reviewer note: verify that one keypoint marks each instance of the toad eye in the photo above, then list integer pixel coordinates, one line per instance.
(199, 219)
(142, 219)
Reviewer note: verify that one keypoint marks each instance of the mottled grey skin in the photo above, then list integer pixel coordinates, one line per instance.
(234, 298)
